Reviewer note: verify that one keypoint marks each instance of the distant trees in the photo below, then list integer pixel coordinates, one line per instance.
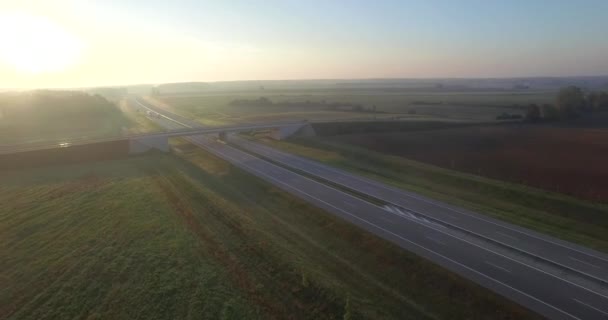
(570, 101)
(549, 112)
(598, 100)
(601, 103)
(533, 113)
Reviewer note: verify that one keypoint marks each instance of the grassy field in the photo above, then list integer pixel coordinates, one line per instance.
(45, 116)
(552, 213)
(215, 110)
(215, 107)
(190, 237)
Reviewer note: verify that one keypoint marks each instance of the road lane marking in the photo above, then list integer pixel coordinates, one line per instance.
(400, 237)
(261, 173)
(435, 240)
(592, 307)
(506, 235)
(433, 226)
(409, 215)
(422, 215)
(444, 206)
(162, 115)
(583, 262)
(429, 225)
(497, 266)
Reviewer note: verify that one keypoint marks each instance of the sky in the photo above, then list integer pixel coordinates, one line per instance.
(71, 43)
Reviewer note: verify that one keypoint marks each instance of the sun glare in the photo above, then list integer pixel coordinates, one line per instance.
(33, 44)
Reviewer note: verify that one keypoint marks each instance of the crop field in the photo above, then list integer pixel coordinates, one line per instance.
(190, 237)
(213, 108)
(217, 111)
(565, 160)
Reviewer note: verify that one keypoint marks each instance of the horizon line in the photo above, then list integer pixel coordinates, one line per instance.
(307, 79)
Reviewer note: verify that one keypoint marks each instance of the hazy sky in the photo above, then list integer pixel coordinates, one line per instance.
(85, 43)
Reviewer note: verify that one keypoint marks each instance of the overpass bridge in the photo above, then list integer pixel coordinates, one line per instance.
(74, 150)
(159, 140)
(278, 130)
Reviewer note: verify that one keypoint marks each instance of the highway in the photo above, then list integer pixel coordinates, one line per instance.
(547, 294)
(576, 258)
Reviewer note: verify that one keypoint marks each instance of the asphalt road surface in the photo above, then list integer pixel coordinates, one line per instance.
(583, 260)
(547, 294)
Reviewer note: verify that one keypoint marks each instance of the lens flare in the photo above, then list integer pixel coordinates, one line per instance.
(32, 44)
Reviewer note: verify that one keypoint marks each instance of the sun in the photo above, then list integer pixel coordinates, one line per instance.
(34, 44)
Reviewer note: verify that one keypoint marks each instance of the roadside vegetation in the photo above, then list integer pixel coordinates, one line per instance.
(138, 122)
(190, 236)
(40, 116)
(552, 213)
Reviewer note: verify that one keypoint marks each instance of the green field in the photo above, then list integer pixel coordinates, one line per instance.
(552, 213)
(215, 110)
(57, 116)
(214, 107)
(190, 237)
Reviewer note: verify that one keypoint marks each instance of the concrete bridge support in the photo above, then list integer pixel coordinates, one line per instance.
(143, 144)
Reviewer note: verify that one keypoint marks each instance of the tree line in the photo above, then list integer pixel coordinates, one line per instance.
(571, 102)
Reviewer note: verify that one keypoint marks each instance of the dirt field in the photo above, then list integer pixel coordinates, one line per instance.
(566, 160)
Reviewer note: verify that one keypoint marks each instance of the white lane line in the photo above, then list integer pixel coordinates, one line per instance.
(506, 235)
(592, 307)
(400, 237)
(435, 240)
(261, 173)
(497, 266)
(444, 206)
(434, 227)
(466, 229)
(583, 262)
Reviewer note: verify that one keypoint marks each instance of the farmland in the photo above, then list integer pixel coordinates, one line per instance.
(215, 107)
(162, 236)
(43, 116)
(559, 159)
